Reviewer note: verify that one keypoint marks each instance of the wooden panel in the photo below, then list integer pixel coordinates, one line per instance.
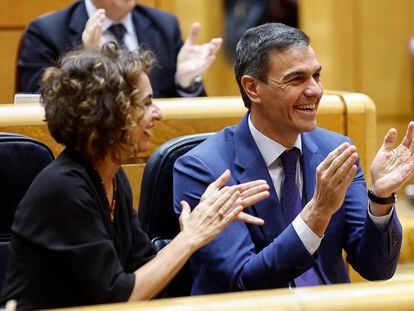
(18, 13)
(219, 78)
(332, 26)
(8, 54)
(181, 117)
(363, 47)
(361, 126)
(385, 72)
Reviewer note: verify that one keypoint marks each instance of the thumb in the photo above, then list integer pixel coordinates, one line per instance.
(194, 33)
(220, 182)
(185, 213)
(390, 139)
(185, 209)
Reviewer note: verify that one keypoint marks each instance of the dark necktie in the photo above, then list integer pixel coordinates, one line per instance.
(292, 205)
(119, 31)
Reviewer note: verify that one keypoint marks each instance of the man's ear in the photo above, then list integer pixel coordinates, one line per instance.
(250, 87)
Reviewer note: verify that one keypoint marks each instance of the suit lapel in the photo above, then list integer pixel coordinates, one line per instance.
(143, 30)
(77, 24)
(251, 167)
(309, 162)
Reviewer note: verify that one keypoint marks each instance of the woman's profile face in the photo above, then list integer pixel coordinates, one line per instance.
(143, 132)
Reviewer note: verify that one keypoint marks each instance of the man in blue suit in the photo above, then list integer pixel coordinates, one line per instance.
(279, 79)
(88, 23)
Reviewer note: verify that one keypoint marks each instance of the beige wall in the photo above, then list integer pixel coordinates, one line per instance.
(16, 14)
(363, 47)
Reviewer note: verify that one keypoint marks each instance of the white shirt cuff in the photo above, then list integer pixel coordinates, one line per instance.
(310, 240)
(381, 222)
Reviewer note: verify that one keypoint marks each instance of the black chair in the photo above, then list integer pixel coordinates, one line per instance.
(21, 159)
(4, 258)
(156, 212)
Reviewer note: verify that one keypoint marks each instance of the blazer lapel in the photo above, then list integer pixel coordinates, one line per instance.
(77, 24)
(145, 33)
(251, 167)
(310, 161)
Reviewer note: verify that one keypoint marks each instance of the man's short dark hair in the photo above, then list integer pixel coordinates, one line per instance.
(255, 46)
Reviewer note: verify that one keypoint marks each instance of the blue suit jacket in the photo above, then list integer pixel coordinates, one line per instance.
(246, 257)
(50, 36)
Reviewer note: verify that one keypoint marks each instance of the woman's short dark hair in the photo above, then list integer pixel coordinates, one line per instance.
(91, 99)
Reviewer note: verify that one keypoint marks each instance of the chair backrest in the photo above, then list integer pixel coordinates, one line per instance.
(156, 210)
(21, 159)
(4, 259)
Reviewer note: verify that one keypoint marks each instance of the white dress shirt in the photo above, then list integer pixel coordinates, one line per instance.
(271, 151)
(130, 38)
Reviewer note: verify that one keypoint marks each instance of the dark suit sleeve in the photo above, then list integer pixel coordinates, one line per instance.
(37, 53)
(231, 261)
(373, 253)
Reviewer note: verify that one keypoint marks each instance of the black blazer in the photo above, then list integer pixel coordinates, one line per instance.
(51, 35)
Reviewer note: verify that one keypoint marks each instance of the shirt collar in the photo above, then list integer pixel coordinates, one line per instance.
(126, 21)
(270, 149)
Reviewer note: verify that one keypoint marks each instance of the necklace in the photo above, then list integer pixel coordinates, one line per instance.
(112, 204)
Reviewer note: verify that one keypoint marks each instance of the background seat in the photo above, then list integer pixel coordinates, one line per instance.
(21, 159)
(156, 208)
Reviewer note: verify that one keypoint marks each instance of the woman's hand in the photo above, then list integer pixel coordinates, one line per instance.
(218, 207)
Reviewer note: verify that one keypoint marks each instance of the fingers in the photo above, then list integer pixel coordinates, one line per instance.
(215, 45)
(185, 213)
(91, 36)
(185, 209)
(390, 139)
(409, 136)
(96, 19)
(342, 171)
(193, 33)
(338, 162)
(349, 177)
(250, 219)
(233, 202)
(332, 155)
(251, 184)
(219, 182)
(253, 192)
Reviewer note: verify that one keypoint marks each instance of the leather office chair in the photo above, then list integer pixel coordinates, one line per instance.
(156, 211)
(21, 159)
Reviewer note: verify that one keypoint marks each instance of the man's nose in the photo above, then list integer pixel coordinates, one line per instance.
(314, 88)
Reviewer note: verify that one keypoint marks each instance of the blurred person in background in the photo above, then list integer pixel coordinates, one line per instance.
(244, 14)
(93, 22)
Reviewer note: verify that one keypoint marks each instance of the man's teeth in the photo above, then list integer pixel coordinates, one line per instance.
(306, 107)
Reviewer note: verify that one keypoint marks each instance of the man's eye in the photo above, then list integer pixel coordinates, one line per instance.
(297, 80)
(317, 76)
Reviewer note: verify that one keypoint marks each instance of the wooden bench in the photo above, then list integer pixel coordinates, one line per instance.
(389, 295)
(351, 114)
